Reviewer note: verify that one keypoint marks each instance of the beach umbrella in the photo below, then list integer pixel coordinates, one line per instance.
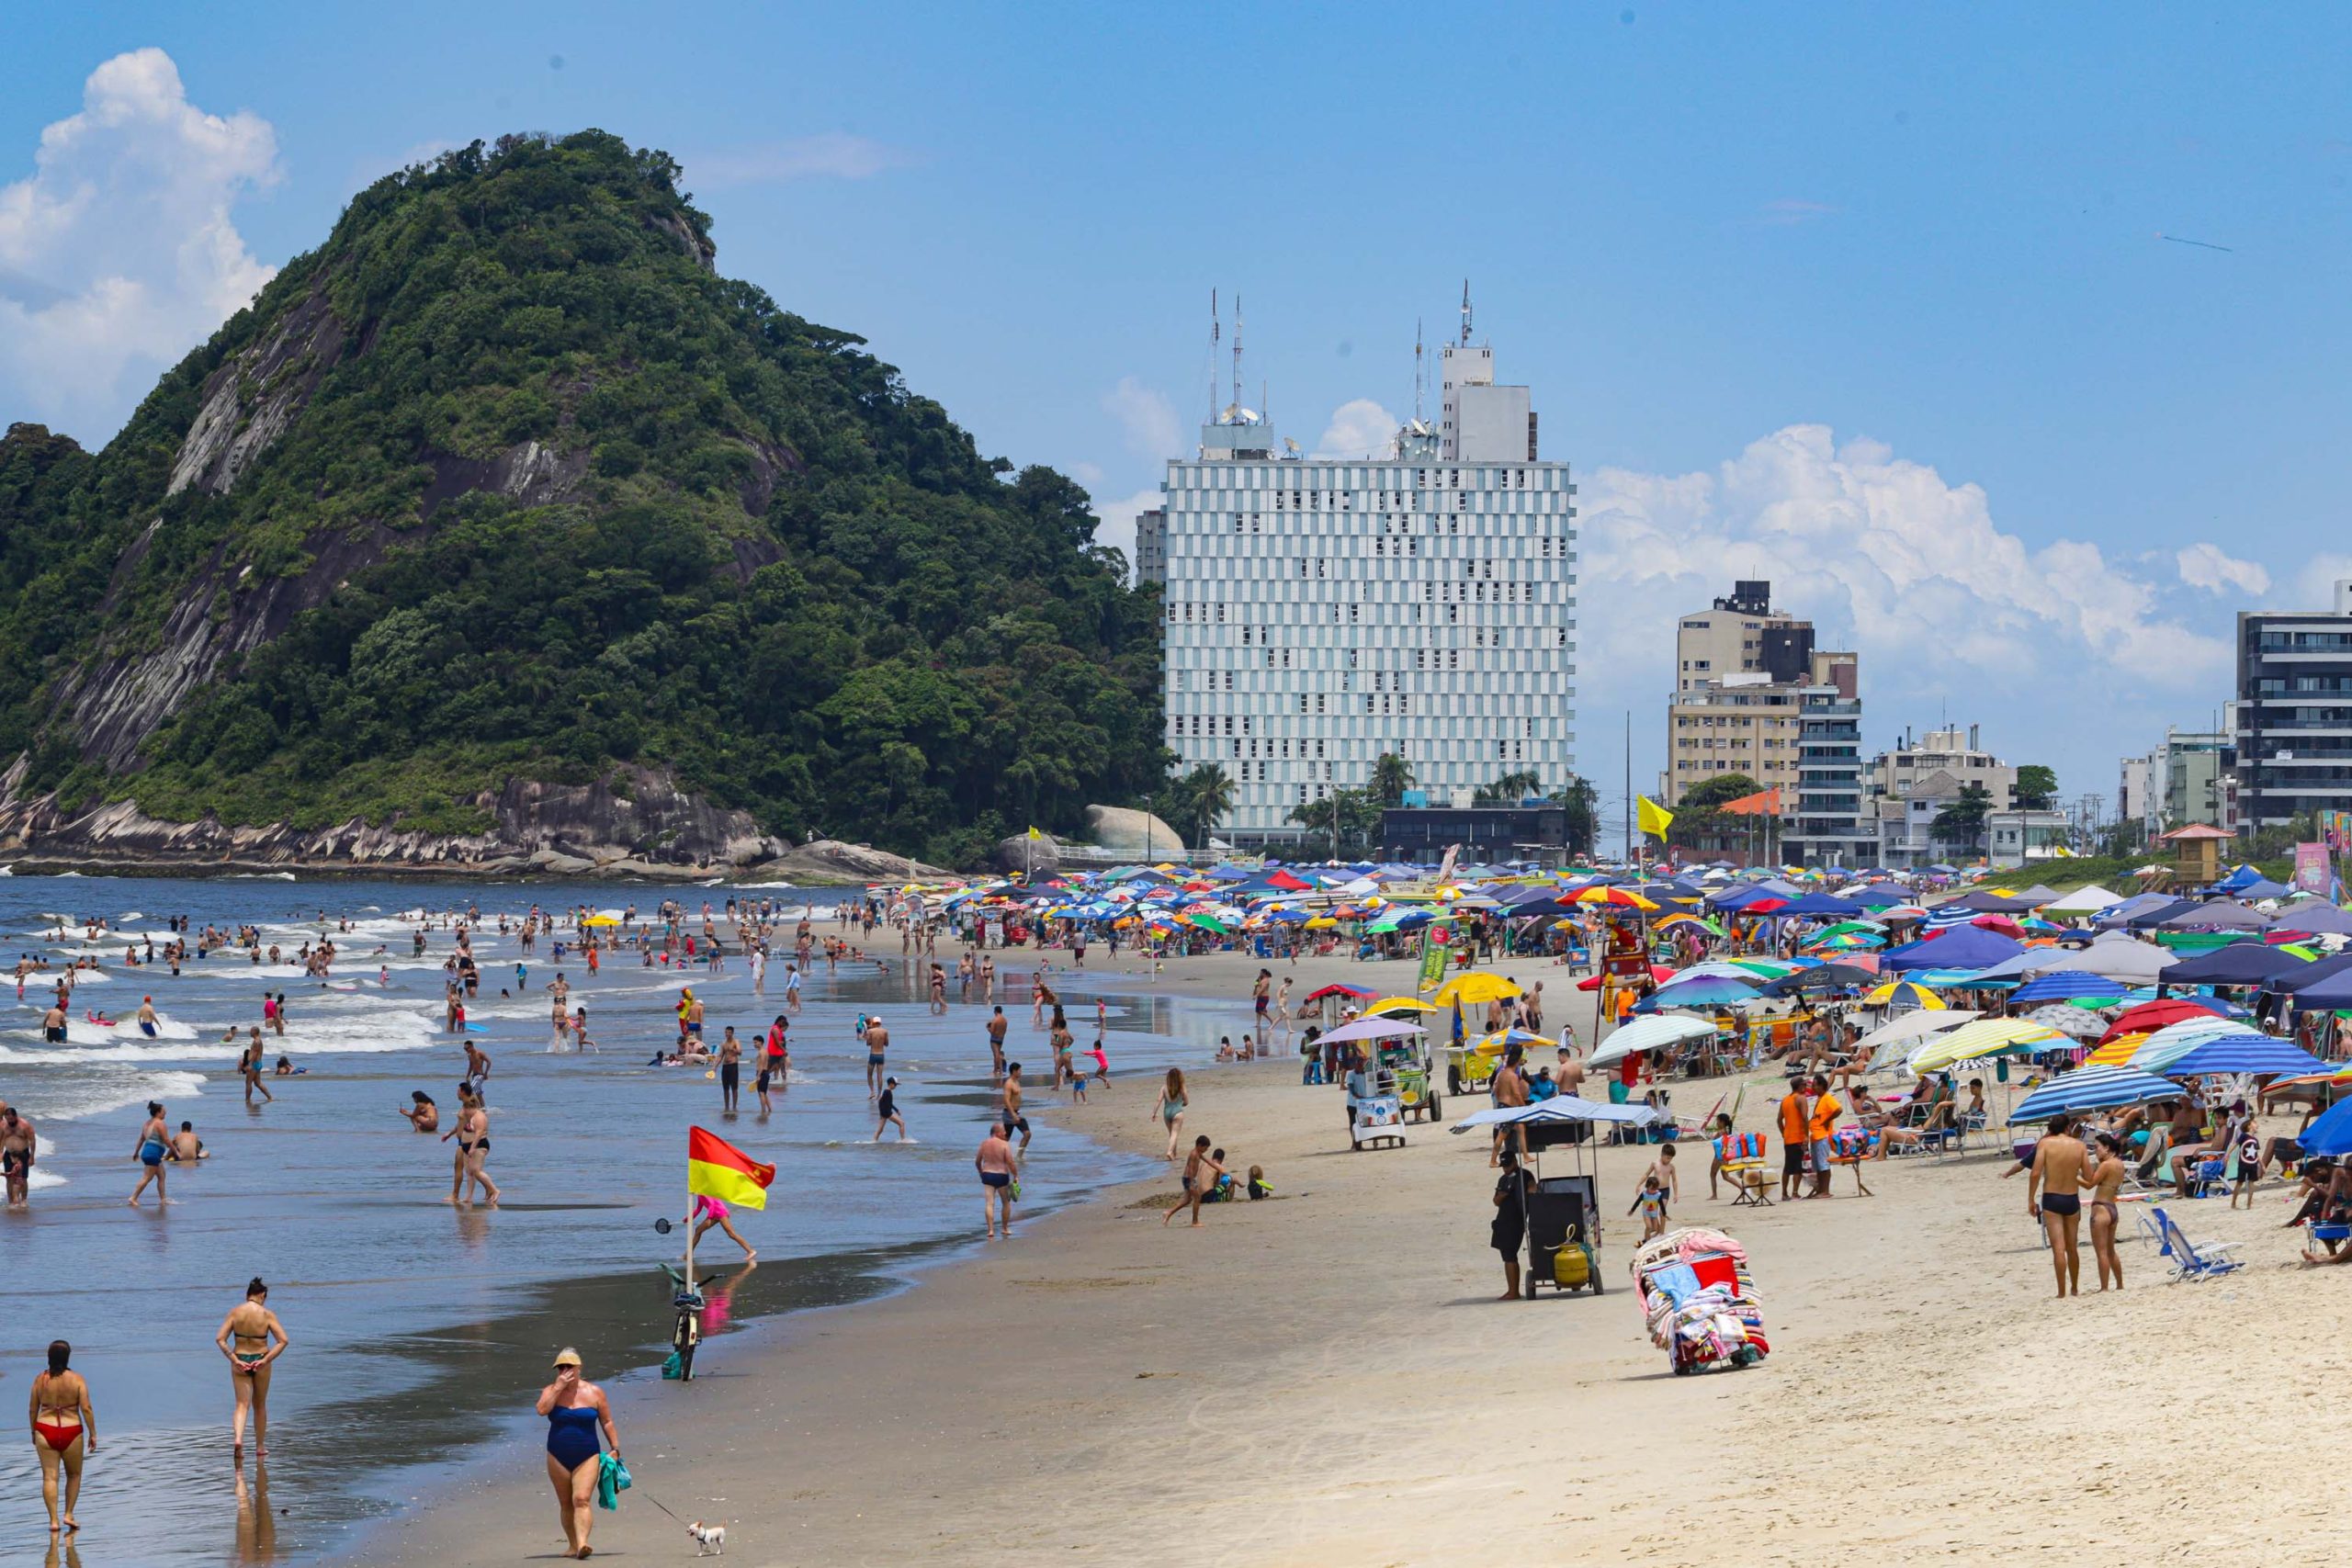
(1821, 977)
(1904, 993)
(2068, 1020)
(1986, 1037)
(1658, 972)
(2242, 1052)
(1513, 1037)
(1476, 989)
(2093, 1089)
(1387, 1007)
(1343, 991)
(2151, 1053)
(1372, 1029)
(2149, 1017)
(1708, 991)
(1321, 923)
(1614, 898)
(2001, 923)
(1559, 1107)
(2331, 1134)
(1675, 920)
(2066, 986)
(1648, 1034)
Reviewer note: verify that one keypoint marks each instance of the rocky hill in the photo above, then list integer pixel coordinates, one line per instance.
(502, 525)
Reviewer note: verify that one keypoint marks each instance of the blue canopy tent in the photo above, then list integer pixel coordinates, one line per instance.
(2295, 981)
(2327, 991)
(2317, 919)
(1963, 947)
(1818, 906)
(2238, 963)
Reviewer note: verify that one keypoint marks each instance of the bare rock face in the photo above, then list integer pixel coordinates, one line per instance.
(636, 822)
(1132, 835)
(249, 402)
(1022, 853)
(830, 859)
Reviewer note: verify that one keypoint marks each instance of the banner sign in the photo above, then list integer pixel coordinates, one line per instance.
(2314, 873)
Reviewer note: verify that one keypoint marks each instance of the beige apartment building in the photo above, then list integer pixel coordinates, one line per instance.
(1742, 674)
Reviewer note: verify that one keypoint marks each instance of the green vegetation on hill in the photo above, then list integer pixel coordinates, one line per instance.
(745, 551)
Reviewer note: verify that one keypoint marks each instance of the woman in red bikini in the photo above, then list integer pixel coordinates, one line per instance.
(65, 1431)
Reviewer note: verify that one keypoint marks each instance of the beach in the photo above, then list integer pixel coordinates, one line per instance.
(1326, 1377)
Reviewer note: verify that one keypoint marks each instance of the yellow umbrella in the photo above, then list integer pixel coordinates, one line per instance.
(1396, 1006)
(2116, 1051)
(1472, 989)
(1917, 995)
(1986, 1037)
(602, 920)
(1321, 923)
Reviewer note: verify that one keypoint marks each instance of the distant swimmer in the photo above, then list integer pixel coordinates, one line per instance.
(147, 1019)
(877, 1045)
(252, 1339)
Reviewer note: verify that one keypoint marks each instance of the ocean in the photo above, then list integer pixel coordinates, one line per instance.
(416, 1327)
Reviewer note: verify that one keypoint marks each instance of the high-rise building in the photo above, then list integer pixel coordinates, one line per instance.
(1151, 546)
(2294, 713)
(1911, 785)
(1322, 611)
(1742, 670)
(1826, 825)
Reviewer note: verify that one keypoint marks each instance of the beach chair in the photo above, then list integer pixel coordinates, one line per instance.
(2189, 1261)
(1741, 1158)
(2214, 1173)
(2322, 1233)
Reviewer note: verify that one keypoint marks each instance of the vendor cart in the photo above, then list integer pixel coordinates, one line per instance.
(1564, 1209)
(1698, 1301)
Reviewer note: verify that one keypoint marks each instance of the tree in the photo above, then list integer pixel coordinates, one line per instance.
(1699, 825)
(1708, 794)
(1359, 819)
(1197, 800)
(1391, 777)
(1962, 822)
(1514, 787)
(1583, 802)
(2037, 787)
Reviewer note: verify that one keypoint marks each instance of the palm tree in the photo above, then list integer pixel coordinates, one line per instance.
(1391, 777)
(1202, 797)
(1513, 786)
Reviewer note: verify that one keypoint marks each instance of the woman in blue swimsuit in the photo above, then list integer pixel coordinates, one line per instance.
(154, 1141)
(575, 1410)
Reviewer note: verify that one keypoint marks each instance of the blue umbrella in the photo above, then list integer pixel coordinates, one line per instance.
(2062, 984)
(1706, 991)
(2093, 1089)
(2332, 1134)
(2247, 1052)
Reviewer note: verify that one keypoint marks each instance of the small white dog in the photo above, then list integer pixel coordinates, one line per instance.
(711, 1540)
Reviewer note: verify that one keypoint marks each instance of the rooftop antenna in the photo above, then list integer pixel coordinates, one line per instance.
(1465, 312)
(1236, 357)
(1418, 372)
(1214, 341)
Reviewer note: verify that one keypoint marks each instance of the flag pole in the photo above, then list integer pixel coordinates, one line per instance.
(690, 1238)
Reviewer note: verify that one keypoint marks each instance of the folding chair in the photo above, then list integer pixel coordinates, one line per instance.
(1740, 1156)
(2189, 1260)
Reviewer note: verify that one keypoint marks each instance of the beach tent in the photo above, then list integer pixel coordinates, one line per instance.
(1986, 902)
(2219, 916)
(1818, 906)
(2039, 894)
(2114, 956)
(2317, 919)
(2082, 901)
(2328, 991)
(1961, 947)
(2137, 904)
(2093, 1089)
(2295, 981)
(2239, 964)
(1648, 1034)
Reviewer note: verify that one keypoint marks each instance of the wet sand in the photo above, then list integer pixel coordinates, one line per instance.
(1327, 1379)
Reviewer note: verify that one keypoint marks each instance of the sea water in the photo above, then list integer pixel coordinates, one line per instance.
(417, 1327)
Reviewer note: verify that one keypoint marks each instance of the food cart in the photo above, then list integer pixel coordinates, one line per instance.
(1563, 1211)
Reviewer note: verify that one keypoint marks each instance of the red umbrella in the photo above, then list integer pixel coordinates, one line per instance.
(2001, 923)
(1658, 972)
(2149, 1017)
(1340, 991)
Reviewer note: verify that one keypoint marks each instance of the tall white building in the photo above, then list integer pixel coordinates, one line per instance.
(1323, 611)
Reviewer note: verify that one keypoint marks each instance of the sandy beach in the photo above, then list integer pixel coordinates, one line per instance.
(1326, 1377)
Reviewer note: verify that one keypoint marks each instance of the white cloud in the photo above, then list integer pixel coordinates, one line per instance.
(2208, 566)
(1147, 420)
(829, 155)
(1886, 557)
(1358, 428)
(2314, 586)
(118, 253)
(1115, 519)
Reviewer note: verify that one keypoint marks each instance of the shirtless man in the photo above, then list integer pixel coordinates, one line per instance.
(52, 1023)
(477, 1066)
(995, 1164)
(2060, 1166)
(1200, 1170)
(147, 1019)
(877, 1045)
(1010, 1113)
(186, 1147)
(249, 1067)
(998, 1024)
(16, 1149)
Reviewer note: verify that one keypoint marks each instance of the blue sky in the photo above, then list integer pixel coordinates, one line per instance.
(1867, 301)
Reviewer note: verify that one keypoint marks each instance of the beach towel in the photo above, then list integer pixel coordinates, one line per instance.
(612, 1479)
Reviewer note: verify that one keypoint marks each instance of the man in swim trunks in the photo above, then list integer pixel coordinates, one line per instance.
(2059, 1163)
(477, 1066)
(18, 1147)
(52, 1023)
(878, 1044)
(1010, 1113)
(998, 1024)
(995, 1164)
(147, 1020)
(186, 1147)
(731, 1070)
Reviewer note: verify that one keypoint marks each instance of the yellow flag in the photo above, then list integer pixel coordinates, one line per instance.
(1654, 818)
(1034, 834)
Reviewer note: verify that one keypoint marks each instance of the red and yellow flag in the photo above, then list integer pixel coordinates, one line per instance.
(717, 1168)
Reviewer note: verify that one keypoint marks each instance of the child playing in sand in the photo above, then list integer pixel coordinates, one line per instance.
(1102, 1063)
(1651, 1202)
